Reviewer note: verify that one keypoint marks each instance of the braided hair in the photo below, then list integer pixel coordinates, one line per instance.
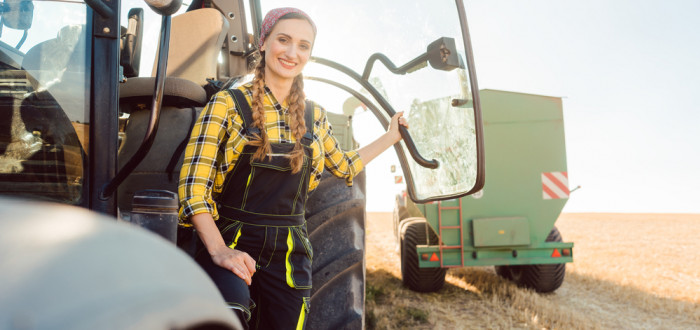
(295, 99)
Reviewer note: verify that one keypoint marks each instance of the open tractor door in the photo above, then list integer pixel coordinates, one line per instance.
(84, 124)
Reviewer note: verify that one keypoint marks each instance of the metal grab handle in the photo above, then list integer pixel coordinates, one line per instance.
(432, 164)
(152, 128)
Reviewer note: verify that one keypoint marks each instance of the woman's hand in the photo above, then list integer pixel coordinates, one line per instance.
(391, 137)
(397, 120)
(238, 262)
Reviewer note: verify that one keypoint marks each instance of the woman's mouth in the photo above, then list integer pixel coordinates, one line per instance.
(287, 64)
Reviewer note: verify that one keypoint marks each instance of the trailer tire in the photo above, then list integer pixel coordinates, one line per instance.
(413, 233)
(335, 215)
(541, 278)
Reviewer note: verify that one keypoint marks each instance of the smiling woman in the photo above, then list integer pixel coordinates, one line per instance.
(255, 155)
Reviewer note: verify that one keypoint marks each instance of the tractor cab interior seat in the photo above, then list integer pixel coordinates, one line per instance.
(196, 38)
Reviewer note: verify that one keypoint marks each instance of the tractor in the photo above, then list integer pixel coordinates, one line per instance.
(92, 140)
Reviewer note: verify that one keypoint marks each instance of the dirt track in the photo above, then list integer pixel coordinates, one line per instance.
(630, 271)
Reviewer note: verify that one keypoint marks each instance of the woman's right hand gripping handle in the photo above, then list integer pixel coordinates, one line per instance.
(238, 262)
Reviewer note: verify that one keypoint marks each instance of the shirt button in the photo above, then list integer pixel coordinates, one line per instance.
(282, 136)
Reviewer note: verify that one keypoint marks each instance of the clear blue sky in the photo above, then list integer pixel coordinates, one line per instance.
(629, 72)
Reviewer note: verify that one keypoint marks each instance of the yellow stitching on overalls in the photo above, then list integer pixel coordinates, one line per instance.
(304, 242)
(301, 185)
(290, 268)
(302, 316)
(235, 240)
(245, 194)
(232, 172)
(269, 215)
(273, 248)
(231, 225)
(259, 225)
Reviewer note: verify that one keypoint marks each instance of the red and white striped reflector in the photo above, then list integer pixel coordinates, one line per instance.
(555, 185)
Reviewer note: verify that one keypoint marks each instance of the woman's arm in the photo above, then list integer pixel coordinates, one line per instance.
(388, 139)
(239, 262)
(198, 174)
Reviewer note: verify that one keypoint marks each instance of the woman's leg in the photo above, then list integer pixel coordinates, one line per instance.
(234, 290)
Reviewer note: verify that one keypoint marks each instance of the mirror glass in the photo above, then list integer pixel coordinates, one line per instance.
(17, 14)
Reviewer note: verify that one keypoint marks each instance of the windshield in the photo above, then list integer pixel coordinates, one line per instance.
(350, 32)
(43, 99)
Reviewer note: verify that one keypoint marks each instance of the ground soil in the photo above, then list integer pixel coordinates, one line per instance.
(630, 271)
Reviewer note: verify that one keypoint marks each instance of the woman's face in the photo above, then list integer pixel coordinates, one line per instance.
(287, 49)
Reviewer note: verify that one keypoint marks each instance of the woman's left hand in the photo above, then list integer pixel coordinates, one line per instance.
(396, 120)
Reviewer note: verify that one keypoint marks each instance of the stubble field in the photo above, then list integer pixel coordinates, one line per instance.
(630, 271)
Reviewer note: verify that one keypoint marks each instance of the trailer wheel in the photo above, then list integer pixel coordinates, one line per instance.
(413, 233)
(541, 278)
(335, 215)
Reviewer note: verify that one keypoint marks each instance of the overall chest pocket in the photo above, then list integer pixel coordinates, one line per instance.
(271, 187)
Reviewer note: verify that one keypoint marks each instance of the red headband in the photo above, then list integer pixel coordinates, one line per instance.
(274, 15)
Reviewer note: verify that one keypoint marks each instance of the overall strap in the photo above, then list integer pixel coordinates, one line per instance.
(244, 110)
(309, 119)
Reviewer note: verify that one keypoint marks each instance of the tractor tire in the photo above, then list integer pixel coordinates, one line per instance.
(400, 213)
(335, 215)
(413, 233)
(541, 278)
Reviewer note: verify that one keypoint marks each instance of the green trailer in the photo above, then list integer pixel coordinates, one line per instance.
(510, 222)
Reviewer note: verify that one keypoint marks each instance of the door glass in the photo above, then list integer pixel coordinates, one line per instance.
(437, 101)
(43, 99)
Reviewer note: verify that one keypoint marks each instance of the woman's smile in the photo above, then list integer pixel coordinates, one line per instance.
(287, 64)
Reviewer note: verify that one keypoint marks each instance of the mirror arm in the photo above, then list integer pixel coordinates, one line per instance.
(357, 95)
(419, 61)
(432, 164)
(100, 8)
(156, 104)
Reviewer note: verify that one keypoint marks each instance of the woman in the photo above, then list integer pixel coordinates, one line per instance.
(254, 155)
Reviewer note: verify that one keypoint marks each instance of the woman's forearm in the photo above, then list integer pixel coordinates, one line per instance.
(388, 139)
(372, 150)
(208, 232)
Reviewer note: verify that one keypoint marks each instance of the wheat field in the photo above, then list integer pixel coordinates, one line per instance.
(630, 271)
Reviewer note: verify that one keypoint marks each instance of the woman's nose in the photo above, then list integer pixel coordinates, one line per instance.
(291, 51)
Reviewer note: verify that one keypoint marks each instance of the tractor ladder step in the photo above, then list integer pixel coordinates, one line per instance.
(460, 227)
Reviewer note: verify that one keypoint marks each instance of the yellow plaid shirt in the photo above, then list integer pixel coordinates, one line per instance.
(218, 139)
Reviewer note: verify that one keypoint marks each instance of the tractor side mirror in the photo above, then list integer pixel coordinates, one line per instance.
(442, 54)
(17, 14)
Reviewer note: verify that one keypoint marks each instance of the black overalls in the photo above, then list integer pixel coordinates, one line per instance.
(261, 209)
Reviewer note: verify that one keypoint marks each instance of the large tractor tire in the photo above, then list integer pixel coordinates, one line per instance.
(335, 215)
(400, 213)
(413, 233)
(541, 278)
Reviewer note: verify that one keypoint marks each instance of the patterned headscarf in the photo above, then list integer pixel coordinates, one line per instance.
(274, 15)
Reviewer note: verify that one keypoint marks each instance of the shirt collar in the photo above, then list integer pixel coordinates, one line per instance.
(270, 99)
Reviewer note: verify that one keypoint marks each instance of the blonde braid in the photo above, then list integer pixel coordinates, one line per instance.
(261, 141)
(297, 123)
